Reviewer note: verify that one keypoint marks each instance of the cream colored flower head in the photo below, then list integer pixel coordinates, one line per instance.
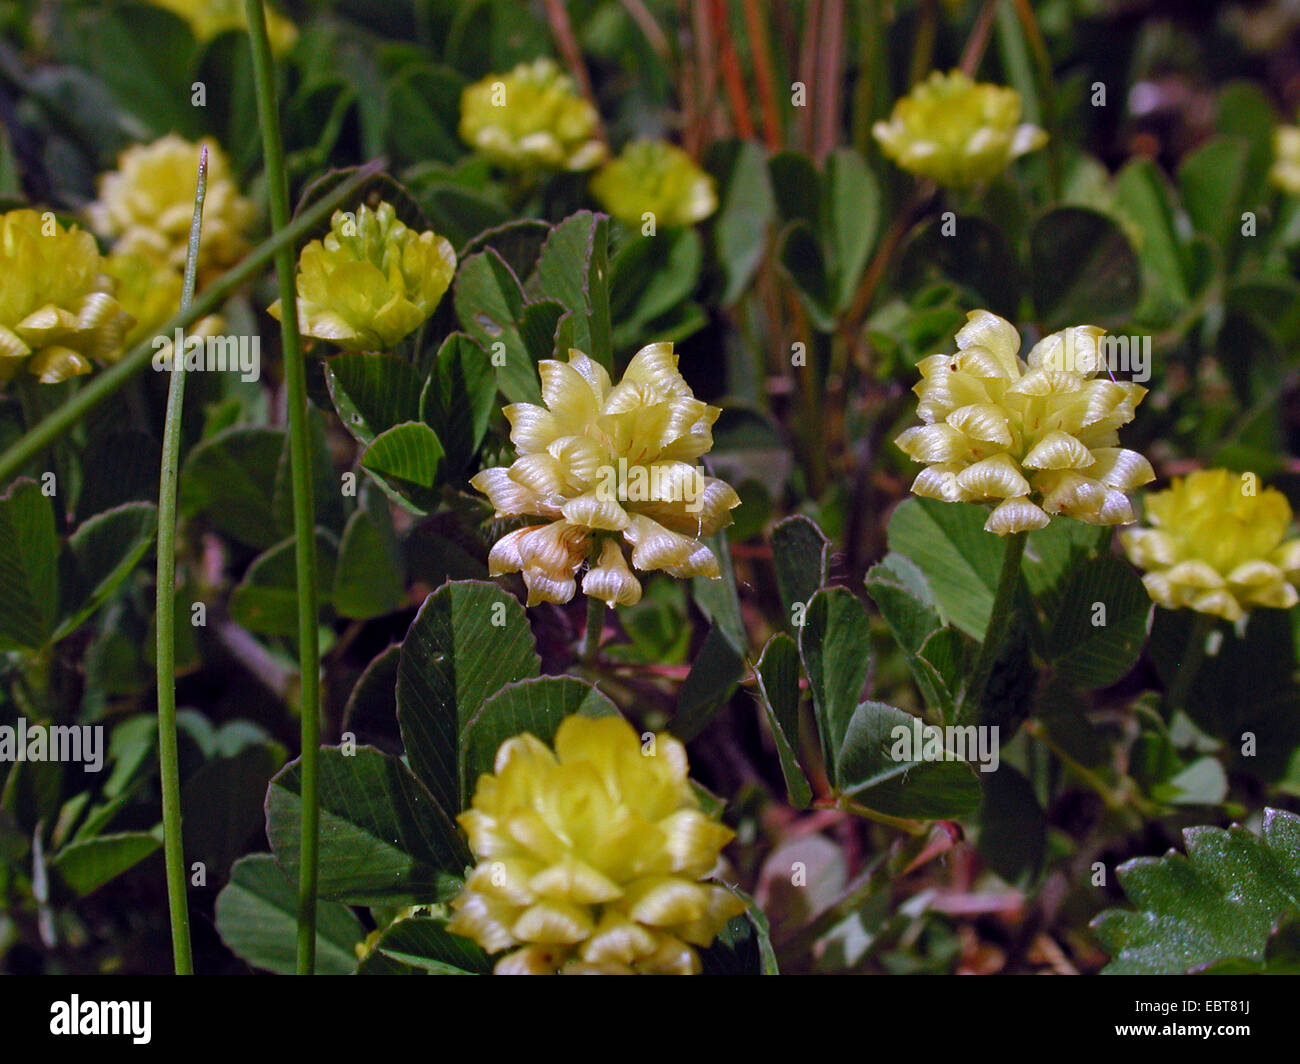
(531, 119)
(1217, 545)
(58, 311)
(372, 281)
(658, 178)
(590, 858)
(1285, 171)
(606, 466)
(207, 18)
(146, 206)
(957, 131)
(1037, 436)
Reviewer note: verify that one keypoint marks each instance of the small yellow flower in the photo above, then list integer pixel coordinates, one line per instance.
(1037, 436)
(531, 119)
(590, 858)
(605, 465)
(371, 281)
(57, 307)
(1216, 546)
(957, 131)
(148, 290)
(656, 177)
(1285, 172)
(146, 206)
(207, 18)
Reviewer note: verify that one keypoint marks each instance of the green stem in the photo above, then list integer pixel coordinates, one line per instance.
(1193, 655)
(106, 384)
(165, 612)
(595, 625)
(999, 622)
(304, 519)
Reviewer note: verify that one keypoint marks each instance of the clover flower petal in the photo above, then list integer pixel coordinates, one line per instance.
(657, 178)
(58, 311)
(1285, 171)
(609, 467)
(208, 18)
(591, 856)
(1217, 546)
(1037, 437)
(531, 119)
(371, 281)
(146, 206)
(957, 131)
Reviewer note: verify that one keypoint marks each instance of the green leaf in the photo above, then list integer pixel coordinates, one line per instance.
(869, 775)
(120, 466)
(1013, 830)
(1214, 181)
(573, 269)
(650, 277)
(467, 642)
(1144, 194)
(426, 944)
(967, 250)
(743, 946)
(740, 227)
(372, 392)
(835, 645)
(490, 305)
(88, 864)
(384, 839)
(777, 675)
(459, 398)
(257, 919)
(899, 590)
(29, 567)
(266, 600)
(537, 705)
(718, 599)
(1221, 900)
(102, 552)
(803, 262)
(368, 576)
(230, 479)
(1101, 624)
(799, 555)
(961, 561)
(409, 452)
(717, 668)
(222, 804)
(1082, 269)
(851, 220)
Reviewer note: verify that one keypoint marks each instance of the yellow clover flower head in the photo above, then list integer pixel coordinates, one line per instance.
(531, 119)
(957, 131)
(1037, 436)
(1216, 546)
(207, 18)
(57, 305)
(656, 177)
(146, 205)
(607, 465)
(371, 281)
(1285, 171)
(590, 858)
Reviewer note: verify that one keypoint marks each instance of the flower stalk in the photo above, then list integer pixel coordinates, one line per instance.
(300, 474)
(165, 613)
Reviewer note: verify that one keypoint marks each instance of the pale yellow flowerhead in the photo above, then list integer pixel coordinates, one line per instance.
(371, 281)
(58, 311)
(590, 858)
(1217, 545)
(656, 177)
(957, 131)
(146, 206)
(1037, 436)
(531, 119)
(1285, 171)
(605, 466)
(207, 18)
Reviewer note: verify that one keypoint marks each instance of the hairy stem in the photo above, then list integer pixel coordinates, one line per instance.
(165, 612)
